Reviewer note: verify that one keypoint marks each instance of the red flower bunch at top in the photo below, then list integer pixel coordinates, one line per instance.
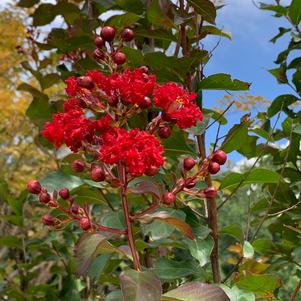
(139, 150)
(72, 86)
(70, 127)
(134, 86)
(178, 105)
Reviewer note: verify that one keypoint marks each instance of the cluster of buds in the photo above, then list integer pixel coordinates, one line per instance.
(186, 183)
(107, 35)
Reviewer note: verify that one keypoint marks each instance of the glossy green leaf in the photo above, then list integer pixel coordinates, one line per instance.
(223, 81)
(156, 15)
(44, 14)
(27, 3)
(256, 176)
(264, 246)
(196, 291)
(33, 91)
(170, 269)
(294, 11)
(281, 102)
(212, 30)
(201, 249)
(235, 294)
(205, 8)
(138, 286)
(235, 138)
(259, 284)
(235, 231)
(161, 34)
(123, 20)
(248, 250)
(279, 74)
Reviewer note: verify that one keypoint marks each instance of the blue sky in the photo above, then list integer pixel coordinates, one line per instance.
(247, 56)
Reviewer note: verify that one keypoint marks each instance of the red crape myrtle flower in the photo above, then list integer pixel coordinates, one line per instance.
(70, 127)
(139, 150)
(178, 105)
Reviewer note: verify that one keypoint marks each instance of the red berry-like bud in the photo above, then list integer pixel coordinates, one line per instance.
(78, 165)
(97, 173)
(144, 69)
(168, 198)
(188, 163)
(48, 220)
(190, 184)
(127, 34)
(119, 58)
(99, 42)
(213, 168)
(64, 193)
(44, 197)
(85, 82)
(210, 192)
(34, 187)
(146, 103)
(108, 33)
(75, 209)
(113, 101)
(219, 157)
(84, 223)
(164, 132)
(151, 171)
(98, 54)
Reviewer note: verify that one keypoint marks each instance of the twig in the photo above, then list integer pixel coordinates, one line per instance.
(296, 291)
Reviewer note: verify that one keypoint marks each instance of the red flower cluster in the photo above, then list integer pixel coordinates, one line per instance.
(178, 105)
(131, 87)
(139, 150)
(70, 127)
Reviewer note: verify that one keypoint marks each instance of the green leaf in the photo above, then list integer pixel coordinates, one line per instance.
(259, 284)
(212, 30)
(223, 81)
(156, 16)
(205, 8)
(235, 294)
(86, 194)
(27, 3)
(200, 127)
(235, 231)
(282, 31)
(39, 111)
(160, 34)
(248, 250)
(49, 80)
(201, 249)
(216, 116)
(281, 102)
(88, 247)
(236, 137)
(124, 20)
(196, 291)
(279, 74)
(68, 10)
(170, 269)
(256, 176)
(264, 246)
(44, 14)
(166, 217)
(134, 56)
(58, 180)
(294, 11)
(138, 286)
(32, 90)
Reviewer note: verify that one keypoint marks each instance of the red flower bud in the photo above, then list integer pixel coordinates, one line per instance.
(48, 220)
(188, 163)
(44, 197)
(219, 157)
(146, 103)
(34, 187)
(164, 132)
(144, 69)
(98, 54)
(127, 34)
(85, 82)
(108, 33)
(119, 58)
(99, 42)
(190, 184)
(168, 198)
(84, 223)
(151, 171)
(97, 173)
(213, 168)
(78, 165)
(210, 192)
(64, 193)
(75, 209)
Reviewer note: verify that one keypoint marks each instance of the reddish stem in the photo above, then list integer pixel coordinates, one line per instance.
(128, 220)
(143, 212)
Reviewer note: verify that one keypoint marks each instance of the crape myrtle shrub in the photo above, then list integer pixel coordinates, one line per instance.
(133, 209)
